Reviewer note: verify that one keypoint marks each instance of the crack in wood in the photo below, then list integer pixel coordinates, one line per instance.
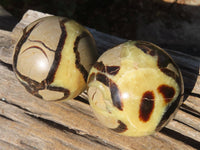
(53, 124)
(7, 118)
(195, 94)
(20, 107)
(190, 111)
(180, 137)
(186, 124)
(74, 131)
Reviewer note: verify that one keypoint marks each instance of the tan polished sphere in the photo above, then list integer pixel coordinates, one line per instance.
(53, 57)
(135, 88)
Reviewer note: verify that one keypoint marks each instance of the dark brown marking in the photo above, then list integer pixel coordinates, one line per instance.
(57, 56)
(167, 92)
(78, 64)
(149, 48)
(170, 73)
(163, 60)
(94, 94)
(99, 66)
(146, 106)
(115, 95)
(37, 41)
(19, 45)
(121, 127)
(112, 70)
(32, 86)
(145, 48)
(103, 79)
(60, 89)
(173, 75)
(39, 48)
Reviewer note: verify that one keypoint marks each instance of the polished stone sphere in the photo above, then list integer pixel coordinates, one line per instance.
(53, 57)
(135, 88)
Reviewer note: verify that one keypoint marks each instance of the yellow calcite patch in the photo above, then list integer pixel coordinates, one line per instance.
(68, 75)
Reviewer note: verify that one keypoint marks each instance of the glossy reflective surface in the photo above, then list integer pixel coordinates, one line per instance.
(135, 88)
(53, 57)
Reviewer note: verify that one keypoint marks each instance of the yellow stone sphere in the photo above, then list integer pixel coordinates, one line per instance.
(53, 57)
(135, 88)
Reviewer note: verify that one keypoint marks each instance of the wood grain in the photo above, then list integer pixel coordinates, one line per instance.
(30, 123)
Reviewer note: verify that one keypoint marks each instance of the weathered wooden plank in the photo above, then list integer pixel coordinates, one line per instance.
(32, 133)
(28, 122)
(188, 119)
(193, 103)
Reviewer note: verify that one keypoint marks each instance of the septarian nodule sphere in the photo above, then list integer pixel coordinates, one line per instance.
(135, 88)
(53, 57)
